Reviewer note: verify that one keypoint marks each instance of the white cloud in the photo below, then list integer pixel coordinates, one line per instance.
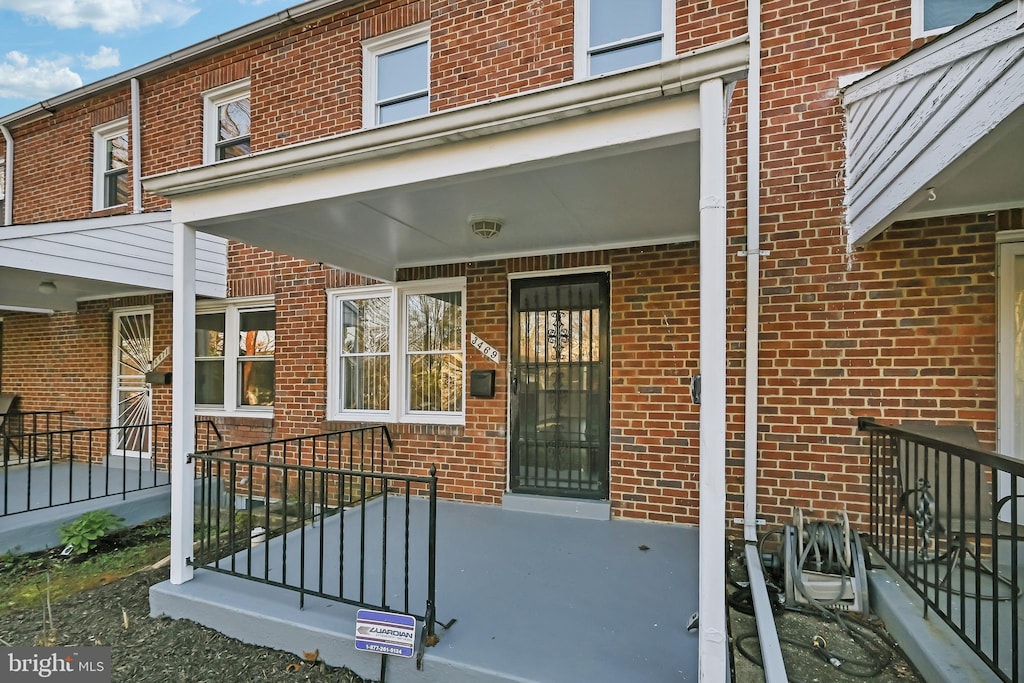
(105, 16)
(35, 79)
(105, 58)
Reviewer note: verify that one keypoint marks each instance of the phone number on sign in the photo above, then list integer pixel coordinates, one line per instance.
(386, 649)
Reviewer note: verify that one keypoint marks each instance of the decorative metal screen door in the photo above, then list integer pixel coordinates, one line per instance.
(132, 408)
(559, 386)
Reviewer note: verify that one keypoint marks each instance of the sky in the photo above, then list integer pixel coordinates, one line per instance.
(48, 47)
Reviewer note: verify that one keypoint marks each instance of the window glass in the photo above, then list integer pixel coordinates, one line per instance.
(402, 72)
(210, 359)
(233, 129)
(612, 21)
(365, 351)
(434, 333)
(115, 175)
(939, 14)
(256, 340)
(623, 58)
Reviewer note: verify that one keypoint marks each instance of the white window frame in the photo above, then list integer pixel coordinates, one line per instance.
(581, 37)
(100, 136)
(214, 99)
(382, 45)
(398, 410)
(232, 310)
(917, 29)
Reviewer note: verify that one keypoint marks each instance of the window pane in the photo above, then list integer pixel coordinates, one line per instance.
(402, 72)
(256, 383)
(230, 150)
(233, 120)
(366, 325)
(116, 188)
(366, 383)
(210, 382)
(623, 58)
(434, 321)
(256, 333)
(210, 335)
(942, 13)
(615, 20)
(435, 382)
(406, 109)
(117, 152)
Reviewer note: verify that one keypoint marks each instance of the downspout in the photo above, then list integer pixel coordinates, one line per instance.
(8, 178)
(136, 149)
(752, 253)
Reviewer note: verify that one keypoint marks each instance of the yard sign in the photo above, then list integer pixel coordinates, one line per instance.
(387, 633)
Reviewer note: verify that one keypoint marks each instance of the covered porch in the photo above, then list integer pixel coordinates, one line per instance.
(624, 161)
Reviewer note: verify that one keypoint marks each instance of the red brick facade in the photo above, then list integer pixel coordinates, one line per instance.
(902, 329)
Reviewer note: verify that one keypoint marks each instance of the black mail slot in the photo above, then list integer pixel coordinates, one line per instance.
(481, 383)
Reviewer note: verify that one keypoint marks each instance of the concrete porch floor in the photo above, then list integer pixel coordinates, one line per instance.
(37, 498)
(537, 598)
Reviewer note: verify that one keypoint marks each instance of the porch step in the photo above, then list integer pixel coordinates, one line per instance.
(563, 507)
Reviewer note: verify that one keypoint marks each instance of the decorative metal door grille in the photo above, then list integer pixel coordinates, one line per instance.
(559, 379)
(133, 406)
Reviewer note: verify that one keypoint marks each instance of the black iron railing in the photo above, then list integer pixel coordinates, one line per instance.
(318, 515)
(49, 468)
(946, 516)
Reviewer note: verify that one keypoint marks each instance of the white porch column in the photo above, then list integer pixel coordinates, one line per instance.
(713, 646)
(183, 432)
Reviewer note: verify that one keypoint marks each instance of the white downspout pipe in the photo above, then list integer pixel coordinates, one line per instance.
(753, 254)
(136, 149)
(8, 179)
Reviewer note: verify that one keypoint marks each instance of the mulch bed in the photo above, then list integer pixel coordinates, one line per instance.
(159, 650)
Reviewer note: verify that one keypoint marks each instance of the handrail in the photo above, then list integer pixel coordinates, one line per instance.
(261, 504)
(947, 518)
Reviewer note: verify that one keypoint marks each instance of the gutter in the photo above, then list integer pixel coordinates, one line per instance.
(295, 15)
(8, 179)
(726, 60)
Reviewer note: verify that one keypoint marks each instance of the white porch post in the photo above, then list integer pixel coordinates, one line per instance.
(713, 645)
(183, 432)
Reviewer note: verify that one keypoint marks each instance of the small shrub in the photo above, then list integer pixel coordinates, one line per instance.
(81, 535)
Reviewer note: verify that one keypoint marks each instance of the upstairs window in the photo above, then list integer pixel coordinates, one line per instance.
(929, 17)
(226, 122)
(612, 35)
(235, 377)
(110, 165)
(397, 352)
(396, 76)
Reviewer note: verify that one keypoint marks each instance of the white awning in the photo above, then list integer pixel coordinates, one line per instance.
(939, 131)
(97, 258)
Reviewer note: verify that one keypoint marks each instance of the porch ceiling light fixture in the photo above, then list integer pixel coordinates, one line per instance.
(485, 226)
(47, 287)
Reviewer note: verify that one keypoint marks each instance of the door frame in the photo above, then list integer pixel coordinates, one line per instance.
(115, 384)
(537, 274)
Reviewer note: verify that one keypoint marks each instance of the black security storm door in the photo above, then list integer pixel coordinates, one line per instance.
(559, 386)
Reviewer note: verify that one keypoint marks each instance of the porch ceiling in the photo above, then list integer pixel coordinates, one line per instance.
(940, 131)
(97, 258)
(602, 163)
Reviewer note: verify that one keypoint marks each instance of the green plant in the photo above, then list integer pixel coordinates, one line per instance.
(80, 536)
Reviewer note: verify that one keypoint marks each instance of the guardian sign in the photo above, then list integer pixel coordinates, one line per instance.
(386, 633)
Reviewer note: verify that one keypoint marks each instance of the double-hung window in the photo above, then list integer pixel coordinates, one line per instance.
(235, 356)
(397, 352)
(612, 35)
(226, 122)
(929, 17)
(396, 76)
(110, 165)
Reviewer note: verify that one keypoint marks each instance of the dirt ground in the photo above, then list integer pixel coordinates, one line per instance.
(148, 650)
(858, 649)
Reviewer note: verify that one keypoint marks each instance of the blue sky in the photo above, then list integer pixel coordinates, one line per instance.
(48, 47)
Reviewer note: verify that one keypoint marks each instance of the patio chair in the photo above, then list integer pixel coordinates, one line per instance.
(7, 406)
(945, 493)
